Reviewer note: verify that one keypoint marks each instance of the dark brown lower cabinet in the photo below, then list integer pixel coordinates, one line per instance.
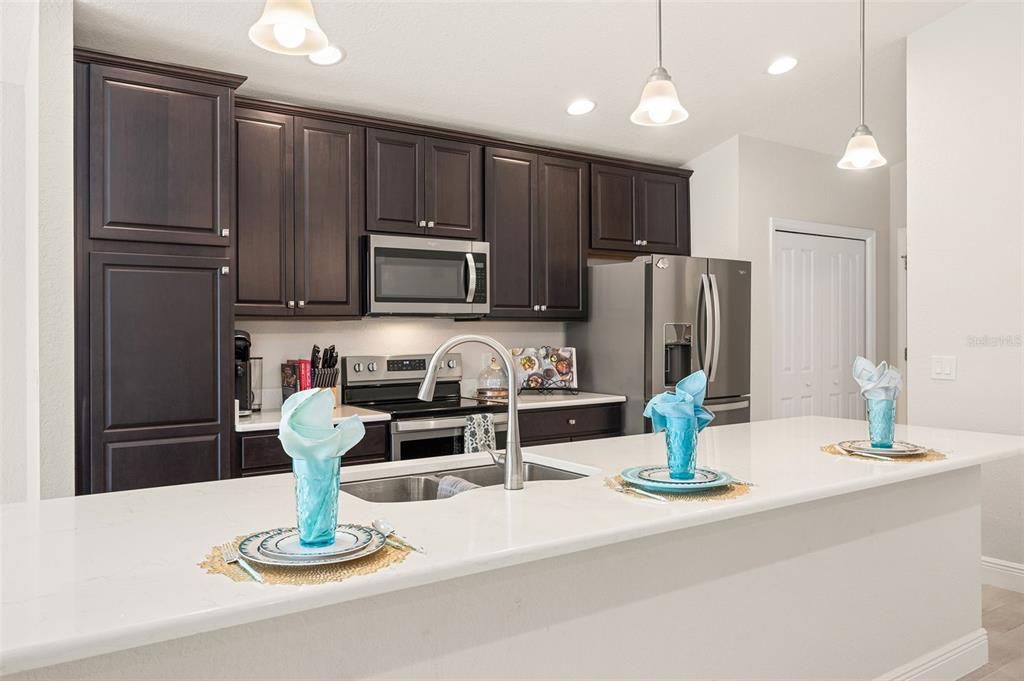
(261, 453)
(570, 424)
(159, 375)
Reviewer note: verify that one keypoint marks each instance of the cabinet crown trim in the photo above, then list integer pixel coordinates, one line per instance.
(231, 80)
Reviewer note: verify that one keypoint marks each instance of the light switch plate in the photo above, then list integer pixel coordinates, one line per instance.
(943, 367)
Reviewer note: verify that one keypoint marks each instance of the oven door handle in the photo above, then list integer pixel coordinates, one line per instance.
(419, 425)
(471, 286)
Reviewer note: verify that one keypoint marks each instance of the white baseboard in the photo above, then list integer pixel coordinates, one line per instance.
(1002, 573)
(948, 663)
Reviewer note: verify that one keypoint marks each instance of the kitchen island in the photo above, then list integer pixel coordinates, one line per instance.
(830, 567)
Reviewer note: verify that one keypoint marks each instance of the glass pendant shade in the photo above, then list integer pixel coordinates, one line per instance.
(659, 103)
(288, 27)
(861, 151)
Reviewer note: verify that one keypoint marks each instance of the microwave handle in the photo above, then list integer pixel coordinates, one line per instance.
(471, 288)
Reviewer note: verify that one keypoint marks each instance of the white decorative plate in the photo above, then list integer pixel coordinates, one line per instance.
(249, 549)
(285, 545)
(897, 449)
(657, 479)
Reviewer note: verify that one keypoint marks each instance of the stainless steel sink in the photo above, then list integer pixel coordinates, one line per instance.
(423, 487)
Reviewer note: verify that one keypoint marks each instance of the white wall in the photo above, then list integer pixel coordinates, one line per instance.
(36, 259)
(898, 319)
(715, 202)
(277, 341)
(775, 180)
(965, 214)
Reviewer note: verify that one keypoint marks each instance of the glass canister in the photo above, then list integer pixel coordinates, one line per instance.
(256, 382)
(492, 383)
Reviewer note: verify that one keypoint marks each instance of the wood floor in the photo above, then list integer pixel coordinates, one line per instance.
(1002, 614)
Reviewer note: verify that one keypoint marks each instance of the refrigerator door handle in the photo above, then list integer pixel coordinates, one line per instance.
(704, 296)
(717, 330)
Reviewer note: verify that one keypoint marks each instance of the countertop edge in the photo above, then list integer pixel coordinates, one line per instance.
(301, 599)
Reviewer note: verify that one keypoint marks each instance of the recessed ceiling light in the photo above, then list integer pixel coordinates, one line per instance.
(578, 107)
(327, 56)
(782, 65)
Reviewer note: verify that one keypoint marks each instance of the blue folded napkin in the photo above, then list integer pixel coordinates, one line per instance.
(306, 431)
(685, 402)
(881, 382)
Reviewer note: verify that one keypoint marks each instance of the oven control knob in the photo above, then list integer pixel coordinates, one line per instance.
(452, 364)
(357, 367)
(372, 366)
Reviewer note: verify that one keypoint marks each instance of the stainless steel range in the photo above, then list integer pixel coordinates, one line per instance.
(419, 429)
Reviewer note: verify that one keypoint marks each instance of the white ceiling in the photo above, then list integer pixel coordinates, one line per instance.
(511, 67)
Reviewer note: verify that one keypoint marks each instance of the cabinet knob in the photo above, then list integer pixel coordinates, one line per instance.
(291, 303)
(572, 422)
(423, 223)
(302, 303)
(637, 242)
(644, 243)
(225, 270)
(430, 223)
(536, 308)
(543, 308)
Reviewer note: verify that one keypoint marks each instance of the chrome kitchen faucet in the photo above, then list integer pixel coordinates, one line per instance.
(513, 457)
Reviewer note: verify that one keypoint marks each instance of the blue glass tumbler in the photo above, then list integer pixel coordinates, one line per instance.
(316, 499)
(681, 441)
(882, 422)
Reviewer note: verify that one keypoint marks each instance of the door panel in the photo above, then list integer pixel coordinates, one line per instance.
(613, 208)
(819, 325)
(264, 240)
(675, 309)
(452, 192)
(161, 158)
(159, 368)
(663, 213)
(394, 176)
(731, 373)
(511, 229)
(328, 214)
(564, 219)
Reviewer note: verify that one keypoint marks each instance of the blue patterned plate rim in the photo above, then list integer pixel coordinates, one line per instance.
(285, 545)
(899, 448)
(631, 475)
(249, 549)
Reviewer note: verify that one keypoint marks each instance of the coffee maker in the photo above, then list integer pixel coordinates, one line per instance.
(243, 379)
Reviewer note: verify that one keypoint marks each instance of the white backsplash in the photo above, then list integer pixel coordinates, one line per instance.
(278, 340)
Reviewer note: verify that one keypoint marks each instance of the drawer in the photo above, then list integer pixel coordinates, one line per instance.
(548, 424)
(263, 451)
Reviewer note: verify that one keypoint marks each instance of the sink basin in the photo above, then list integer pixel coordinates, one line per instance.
(423, 487)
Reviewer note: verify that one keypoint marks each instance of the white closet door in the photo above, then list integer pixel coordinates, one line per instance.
(819, 325)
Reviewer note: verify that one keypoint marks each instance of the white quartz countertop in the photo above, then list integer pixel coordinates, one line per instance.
(94, 574)
(270, 419)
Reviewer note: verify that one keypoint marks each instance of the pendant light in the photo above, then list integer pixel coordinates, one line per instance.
(659, 103)
(862, 150)
(288, 27)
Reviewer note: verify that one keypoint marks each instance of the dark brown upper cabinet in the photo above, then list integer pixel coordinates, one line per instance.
(639, 211)
(329, 212)
(300, 213)
(264, 243)
(161, 158)
(536, 222)
(160, 370)
(423, 185)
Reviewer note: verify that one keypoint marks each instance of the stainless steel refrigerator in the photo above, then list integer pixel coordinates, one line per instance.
(659, 318)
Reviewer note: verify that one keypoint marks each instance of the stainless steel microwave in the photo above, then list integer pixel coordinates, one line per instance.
(412, 275)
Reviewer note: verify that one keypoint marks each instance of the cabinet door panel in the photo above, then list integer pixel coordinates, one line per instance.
(328, 214)
(161, 158)
(511, 228)
(543, 424)
(159, 367)
(613, 197)
(264, 260)
(664, 213)
(564, 221)
(452, 191)
(394, 176)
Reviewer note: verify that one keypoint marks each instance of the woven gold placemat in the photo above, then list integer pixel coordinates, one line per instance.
(927, 455)
(725, 493)
(314, 574)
